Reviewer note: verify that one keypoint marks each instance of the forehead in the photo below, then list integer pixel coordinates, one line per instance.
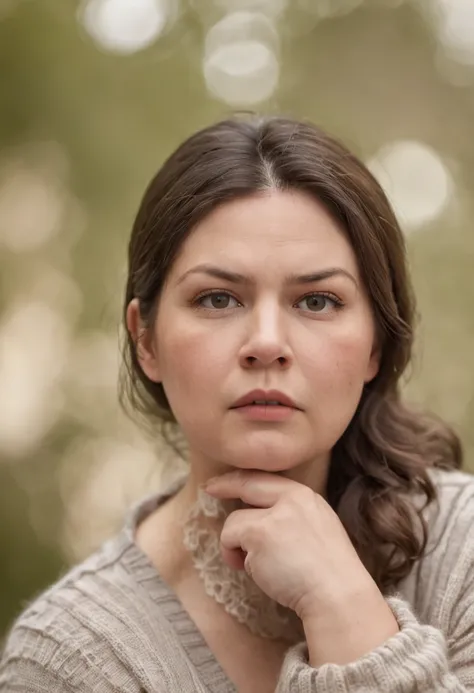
(269, 231)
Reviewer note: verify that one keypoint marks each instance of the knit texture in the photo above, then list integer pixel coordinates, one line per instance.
(112, 625)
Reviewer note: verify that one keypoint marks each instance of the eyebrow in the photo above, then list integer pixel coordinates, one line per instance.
(292, 279)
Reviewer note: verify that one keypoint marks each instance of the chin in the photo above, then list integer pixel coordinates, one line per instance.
(267, 462)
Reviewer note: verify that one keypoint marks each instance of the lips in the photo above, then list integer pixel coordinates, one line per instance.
(275, 397)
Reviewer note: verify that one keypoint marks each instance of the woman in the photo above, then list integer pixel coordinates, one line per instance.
(269, 313)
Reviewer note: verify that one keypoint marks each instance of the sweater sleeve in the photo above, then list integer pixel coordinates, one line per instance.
(27, 676)
(415, 660)
(420, 658)
(37, 661)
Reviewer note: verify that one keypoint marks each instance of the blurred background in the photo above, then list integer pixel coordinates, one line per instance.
(93, 96)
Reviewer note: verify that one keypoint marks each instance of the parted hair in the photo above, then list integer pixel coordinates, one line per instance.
(381, 463)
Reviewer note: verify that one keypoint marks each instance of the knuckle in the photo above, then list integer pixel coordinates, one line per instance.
(225, 534)
(302, 495)
(241, 476)
(283, 515)
(230, 526)
(254, 534)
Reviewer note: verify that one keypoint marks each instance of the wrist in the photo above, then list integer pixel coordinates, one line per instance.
(347, 629)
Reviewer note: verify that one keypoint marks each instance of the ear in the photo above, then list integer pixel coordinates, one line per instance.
(144, 343)
(373, 365)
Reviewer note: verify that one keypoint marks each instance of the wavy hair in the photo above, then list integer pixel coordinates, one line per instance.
(384, 455)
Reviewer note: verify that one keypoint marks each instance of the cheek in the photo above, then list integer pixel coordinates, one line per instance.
(339, 361)
(191, 362)
(353, 355)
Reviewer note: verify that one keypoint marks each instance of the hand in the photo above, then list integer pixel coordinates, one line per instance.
(297, 551)
(290, 542)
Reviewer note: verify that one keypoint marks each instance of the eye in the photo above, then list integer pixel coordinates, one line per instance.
(216, 300)
(319, 302)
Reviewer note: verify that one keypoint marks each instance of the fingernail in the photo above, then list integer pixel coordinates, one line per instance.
(211, 481)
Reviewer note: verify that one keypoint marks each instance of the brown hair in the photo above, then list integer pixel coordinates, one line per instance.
(383, 456)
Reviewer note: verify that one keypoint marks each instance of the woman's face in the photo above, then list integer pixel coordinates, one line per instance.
(217, 338)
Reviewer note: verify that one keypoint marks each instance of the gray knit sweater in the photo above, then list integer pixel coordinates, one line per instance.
(112, 625)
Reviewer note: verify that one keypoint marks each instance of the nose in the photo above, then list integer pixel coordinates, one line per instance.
(266, 344)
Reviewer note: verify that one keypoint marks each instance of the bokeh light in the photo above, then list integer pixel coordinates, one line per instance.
(117, 471)
(32, 206)
(35, 337)
(241, 65)
(91, 378)
(126, 26)
(415, 179)
(31, 401)
(454, 23)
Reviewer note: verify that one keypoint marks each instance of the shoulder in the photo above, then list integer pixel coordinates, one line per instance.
(439, 582)
(450, 519)
(87, 630)
(447, 480)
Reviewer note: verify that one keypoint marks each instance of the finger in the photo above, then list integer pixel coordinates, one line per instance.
(238, 528)
(234, 558)
(259, 489)
(236, 536)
